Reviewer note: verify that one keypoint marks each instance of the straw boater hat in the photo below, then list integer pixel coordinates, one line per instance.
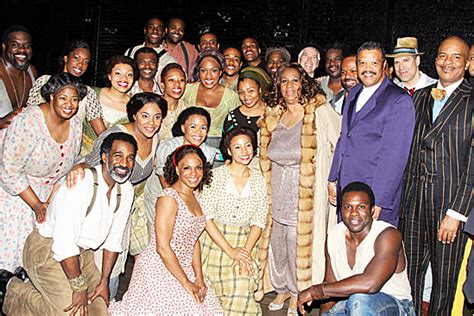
(406, 46)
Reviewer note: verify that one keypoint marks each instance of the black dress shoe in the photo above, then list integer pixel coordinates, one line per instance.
(5, 276)
(20, 273)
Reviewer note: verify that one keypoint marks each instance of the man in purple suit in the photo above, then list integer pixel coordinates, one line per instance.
(377, 131)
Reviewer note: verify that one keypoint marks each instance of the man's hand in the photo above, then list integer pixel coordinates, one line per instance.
(332, 193)
(79, 303)
(315, 292)
(6, 121)
(102, 290)
(304, 297)
(448, 229)
(377, 211)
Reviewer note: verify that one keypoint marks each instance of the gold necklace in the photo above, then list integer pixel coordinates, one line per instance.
(18, 103)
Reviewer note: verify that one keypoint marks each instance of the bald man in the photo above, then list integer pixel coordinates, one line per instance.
(438, 181)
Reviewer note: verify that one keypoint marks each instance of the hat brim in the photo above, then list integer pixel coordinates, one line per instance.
(404, 54)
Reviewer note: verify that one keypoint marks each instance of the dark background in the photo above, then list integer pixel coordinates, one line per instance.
(111, 27)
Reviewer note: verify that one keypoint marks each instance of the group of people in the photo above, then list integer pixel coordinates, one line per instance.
(226, 173)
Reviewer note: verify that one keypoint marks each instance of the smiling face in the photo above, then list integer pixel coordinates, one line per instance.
(148, 119)
(251, 49)
(370, 67)
(121, 77)
(357, 211)
(65, 102)
(119, 161)
(77, 62)
(190, 170)
(195, 129)
(175, 31)
(333, 63)
(349, 72)
(275, 60)
(18, 50)
(309, 60)
(147, 65)
(241, 149)
(290, 85)
(249, 92)
(154, 31)
(406, 69)
(233, 61)
(452, 60)
(208, 41)
(209, 72)
(173, 84)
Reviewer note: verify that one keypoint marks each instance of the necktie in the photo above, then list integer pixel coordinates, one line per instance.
(439, 96)
(437, 107)
(410, 91)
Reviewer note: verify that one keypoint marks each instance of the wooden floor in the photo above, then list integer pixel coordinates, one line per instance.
(125, 279)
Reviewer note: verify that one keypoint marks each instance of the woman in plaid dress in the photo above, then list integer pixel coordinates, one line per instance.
(235, 208)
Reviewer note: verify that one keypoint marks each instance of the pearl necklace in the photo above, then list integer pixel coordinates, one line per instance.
(18, 103)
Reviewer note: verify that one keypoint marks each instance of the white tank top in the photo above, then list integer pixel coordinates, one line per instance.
(397, 286)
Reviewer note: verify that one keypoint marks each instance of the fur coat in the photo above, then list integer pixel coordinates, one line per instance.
(319, 134)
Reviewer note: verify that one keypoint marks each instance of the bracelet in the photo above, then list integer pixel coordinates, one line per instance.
(332, 184)
(78, 284)
(322, 289)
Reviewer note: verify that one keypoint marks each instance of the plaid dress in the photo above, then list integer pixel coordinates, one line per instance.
(234, 213)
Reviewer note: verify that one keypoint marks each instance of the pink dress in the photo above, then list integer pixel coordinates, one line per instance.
(153, 290)
(29, 156)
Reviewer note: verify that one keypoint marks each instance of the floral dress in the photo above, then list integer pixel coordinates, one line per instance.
(29, 156)
(153, 290)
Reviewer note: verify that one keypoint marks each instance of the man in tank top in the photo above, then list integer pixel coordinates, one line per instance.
(365, 263)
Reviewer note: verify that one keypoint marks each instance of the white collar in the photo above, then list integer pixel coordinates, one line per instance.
(449, 89)
(371, 89)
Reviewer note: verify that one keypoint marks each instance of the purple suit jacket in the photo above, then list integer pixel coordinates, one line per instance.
(375, 144)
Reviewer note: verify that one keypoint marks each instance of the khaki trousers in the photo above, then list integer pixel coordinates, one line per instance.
(48, 292)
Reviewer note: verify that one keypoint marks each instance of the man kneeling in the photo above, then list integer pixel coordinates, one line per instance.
(58, 255)
(365, 263)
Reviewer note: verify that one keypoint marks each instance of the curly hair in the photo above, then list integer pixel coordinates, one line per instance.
(309, 87)
(175, 157)
(60, 80)
(119, 59)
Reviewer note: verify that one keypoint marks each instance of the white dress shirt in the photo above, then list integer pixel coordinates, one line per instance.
(365, 95)
(66, 222)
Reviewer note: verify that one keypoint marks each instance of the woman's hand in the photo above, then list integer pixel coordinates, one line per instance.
(74, 174)
(202, 289)
(40, 210)
(194, 290)
(243, 259)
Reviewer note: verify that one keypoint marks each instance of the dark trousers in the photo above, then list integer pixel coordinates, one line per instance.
(419, 229)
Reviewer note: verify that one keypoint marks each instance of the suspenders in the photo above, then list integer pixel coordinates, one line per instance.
(94, 194)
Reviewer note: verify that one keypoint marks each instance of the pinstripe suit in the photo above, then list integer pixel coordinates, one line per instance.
(439, 176)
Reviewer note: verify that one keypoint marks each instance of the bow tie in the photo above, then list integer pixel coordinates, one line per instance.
(438, 94)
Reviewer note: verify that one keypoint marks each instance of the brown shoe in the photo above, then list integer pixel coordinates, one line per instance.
(424, 308)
